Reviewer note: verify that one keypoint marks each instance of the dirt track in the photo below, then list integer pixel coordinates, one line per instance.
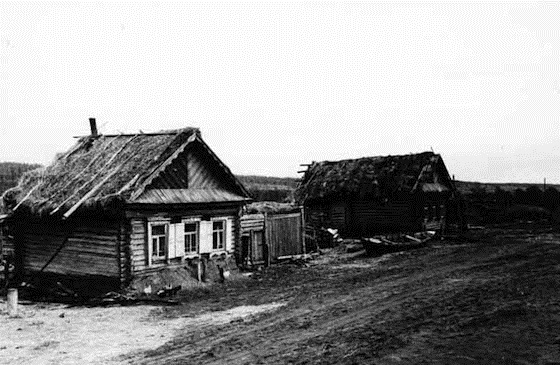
(491, 300)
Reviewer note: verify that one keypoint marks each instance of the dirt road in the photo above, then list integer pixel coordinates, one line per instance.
(491, 300)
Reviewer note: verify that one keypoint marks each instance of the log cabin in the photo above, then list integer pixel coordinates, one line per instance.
(117, 206)
(377, 195)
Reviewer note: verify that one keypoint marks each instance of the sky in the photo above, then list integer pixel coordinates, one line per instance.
(273, 86)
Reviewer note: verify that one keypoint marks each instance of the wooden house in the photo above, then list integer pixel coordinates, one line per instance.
(117, 206)
(377, 195)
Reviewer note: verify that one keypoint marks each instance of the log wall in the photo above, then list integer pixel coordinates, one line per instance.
(138, 238)
(90, 247)
(363, 217)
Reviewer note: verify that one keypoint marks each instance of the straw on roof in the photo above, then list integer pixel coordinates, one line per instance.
(377, 176)
(99, 171)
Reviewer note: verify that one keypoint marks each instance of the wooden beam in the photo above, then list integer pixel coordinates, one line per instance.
(129, 184)
(60, 247)
(27, 196)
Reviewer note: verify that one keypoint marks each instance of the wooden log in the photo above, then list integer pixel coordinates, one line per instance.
(413, 239)
(27, 196)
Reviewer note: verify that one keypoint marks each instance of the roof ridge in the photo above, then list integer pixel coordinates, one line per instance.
(161, 132)
(377, 157)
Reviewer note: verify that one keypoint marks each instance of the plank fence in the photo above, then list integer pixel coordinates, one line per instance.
(266, 238)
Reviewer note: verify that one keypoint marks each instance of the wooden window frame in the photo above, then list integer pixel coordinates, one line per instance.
(197, 236)
(223, 231)
(155, 257)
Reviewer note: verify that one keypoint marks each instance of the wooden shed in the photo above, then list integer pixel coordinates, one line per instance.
(117, 206)
(377, 195)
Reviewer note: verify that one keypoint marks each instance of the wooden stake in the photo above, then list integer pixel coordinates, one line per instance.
(12, 302)
(199, 269)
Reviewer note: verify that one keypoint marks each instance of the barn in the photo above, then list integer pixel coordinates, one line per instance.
(117, 206)
(377, 195)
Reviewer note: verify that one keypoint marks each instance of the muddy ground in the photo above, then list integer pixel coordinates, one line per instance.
(491, 299)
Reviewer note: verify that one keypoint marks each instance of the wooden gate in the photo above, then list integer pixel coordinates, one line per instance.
(284, 235)
(266, 237)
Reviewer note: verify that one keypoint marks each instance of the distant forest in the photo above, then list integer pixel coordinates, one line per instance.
(10, 172)
(502, 203)
(267, 188)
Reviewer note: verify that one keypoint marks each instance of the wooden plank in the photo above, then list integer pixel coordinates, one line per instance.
(161, 167)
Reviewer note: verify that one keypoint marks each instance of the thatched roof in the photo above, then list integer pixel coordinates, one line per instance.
(101, 171)
(380, 176)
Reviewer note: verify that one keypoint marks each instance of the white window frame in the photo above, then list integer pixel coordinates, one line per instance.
(223, 231)
(151, 253)
(196, 222)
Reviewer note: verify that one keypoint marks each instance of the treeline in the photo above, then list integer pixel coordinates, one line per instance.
(271, 195)
(287, 182)
(268, 188)
(529, 204)
(10, 172)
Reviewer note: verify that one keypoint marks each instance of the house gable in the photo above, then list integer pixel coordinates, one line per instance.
(194, 176)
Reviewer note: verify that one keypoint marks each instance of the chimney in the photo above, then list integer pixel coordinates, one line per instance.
(93, 127)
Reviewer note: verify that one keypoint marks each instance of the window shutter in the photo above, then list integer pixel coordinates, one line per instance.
(229, 235)
(148, 230)
(179, 239)
(205, 236)
(171, 241)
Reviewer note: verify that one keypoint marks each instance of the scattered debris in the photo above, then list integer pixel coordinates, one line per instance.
(168, 291)
(380, 245)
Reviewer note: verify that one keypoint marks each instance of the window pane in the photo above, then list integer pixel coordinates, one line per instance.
(161, 246)
(154, 246)
(218, 225)
(158, 230)
(190, 243)
(190, 227)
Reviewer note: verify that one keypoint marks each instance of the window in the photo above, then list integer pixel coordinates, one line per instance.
(191, 237)
(218, 235)
(159, 240)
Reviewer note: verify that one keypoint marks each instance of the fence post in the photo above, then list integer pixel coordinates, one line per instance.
(266, 248)
(12, 301)
(303, 230)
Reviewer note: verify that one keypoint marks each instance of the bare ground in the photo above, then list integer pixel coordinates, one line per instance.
(492, 300)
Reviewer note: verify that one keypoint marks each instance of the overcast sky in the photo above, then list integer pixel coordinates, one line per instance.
(272, 86)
